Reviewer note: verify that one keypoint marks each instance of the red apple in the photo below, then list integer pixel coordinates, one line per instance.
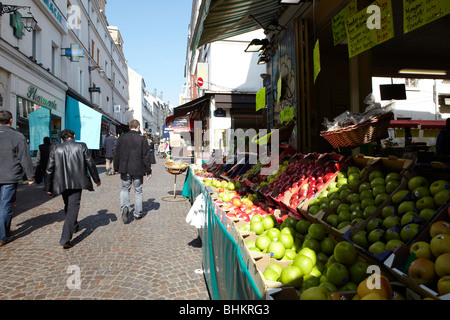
(422, 270)
(439, 227)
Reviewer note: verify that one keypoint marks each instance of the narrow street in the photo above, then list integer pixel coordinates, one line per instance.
(157, 257)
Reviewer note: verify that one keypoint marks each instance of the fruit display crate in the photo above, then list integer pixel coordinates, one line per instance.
(405, 208)
(384, 165)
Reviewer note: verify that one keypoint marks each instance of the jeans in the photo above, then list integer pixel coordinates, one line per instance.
(72, 200)
(137, 182)
(109, 166)
(7, 198)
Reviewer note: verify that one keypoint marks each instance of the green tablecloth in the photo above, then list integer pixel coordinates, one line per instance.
(226, 274)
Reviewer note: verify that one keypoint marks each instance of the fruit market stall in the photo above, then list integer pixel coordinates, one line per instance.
(326, 226)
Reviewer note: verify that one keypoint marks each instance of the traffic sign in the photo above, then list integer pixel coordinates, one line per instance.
(200, 82)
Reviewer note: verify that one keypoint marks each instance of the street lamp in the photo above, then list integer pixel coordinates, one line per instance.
(257, 45)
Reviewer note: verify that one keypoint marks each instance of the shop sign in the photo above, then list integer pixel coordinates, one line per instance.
(338, 22)
(287, 114)
(316, 60)
(261, 99)
(418, 13)
(74, 53)
(56, 13)
(32, 95)
(370, 27)
(15, 21)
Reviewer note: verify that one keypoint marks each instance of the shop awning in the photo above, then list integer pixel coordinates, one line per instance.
(424, 124)
(222, 19)
(191, 106)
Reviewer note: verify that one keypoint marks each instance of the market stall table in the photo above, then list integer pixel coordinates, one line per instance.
(226, 274)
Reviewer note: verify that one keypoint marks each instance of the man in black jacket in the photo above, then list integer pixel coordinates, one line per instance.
(132, 161)
(15, 162)
(67, 175)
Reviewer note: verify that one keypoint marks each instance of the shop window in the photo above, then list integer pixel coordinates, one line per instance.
(412, 84)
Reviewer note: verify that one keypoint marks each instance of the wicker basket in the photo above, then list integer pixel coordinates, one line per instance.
(176, 168)
(359, 134)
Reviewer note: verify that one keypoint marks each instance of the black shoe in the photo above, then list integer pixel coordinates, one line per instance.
(138, 217)
(67, 245)
(125, 212)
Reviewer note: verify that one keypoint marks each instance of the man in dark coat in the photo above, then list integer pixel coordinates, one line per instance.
(44, 152)
(15, 162)
(132, 161)
(67, 175)
(443, 141)
(110, 145)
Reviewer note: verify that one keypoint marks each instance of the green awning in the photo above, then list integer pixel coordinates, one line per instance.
(222, 19)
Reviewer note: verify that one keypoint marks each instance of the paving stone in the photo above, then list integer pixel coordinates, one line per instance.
(151, 259)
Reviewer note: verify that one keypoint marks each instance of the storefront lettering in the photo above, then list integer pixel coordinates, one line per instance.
(32, 95)
(54, 10)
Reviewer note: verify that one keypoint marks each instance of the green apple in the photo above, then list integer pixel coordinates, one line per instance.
(378, 189)
(421, 249)
(406, 206)
(427, 214)
(309, 253)
(393, 176)
(309, 281)
(442, 265)
(443, 285)
(439, 185)
(341, 175)
(337, 274)
(441, 197)
(333, 195)
(355, 206)
(377, 248)
(317, 231)
(365, 194)
(329, 286)
(313, 210)
(353, 170)
(343, 224)
(262, 242)
(292, 275)
(327, 246)
(373, 224)
(332, 220)
(287, 230)
(269, 222)
(399, 196)
(349, 286)
(392, 234)
(273, 233)
(379, 199)
(392, 244)
(344, 216)
(271, 275)
(287, 240)
(254, 249)
(257, 227)
(276, 250)
(426, 202)
(358, 214)
(322, 258)
(353, 198)
(311, 244)
(334, 203)
(368, 211)
(345, 253)
(375, 174)
(353, 180)
(341, 182)
(391, 221)
(440, 244)
(316, 293)
(364, 186)
(358, 271)
(297, 245)
(408, 217)
(392, 185)
(418, 181)
(343, 207)
(388, 211)
(409, 231)
(302, 226)
(344, 193)
(275, 267)
(317, 271)
(360, 238)
(375, 235)
(304, 263)
(250, 244)
(377, 182)
(421, 192)
(367, 202)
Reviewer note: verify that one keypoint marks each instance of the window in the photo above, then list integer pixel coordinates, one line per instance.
(98, 56)
(412, 83)
(93, 49)
(54, 57)
(81, 82)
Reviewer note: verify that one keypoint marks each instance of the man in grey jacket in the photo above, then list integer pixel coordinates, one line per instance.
(15, 163)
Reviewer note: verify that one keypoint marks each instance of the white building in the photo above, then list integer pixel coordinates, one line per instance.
(70, 53)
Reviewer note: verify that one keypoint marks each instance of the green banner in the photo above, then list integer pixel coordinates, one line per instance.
(417, 13)
(370, 27)
(261, 99)
(316, 60)
(338, 22)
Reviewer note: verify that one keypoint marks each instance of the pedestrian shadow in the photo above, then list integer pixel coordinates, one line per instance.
(29, 226)
(89, 224)
(29, 197)
(150, 205)
(196, 243)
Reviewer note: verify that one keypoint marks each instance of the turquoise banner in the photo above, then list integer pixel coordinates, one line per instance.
(39, 121)
(85, 122)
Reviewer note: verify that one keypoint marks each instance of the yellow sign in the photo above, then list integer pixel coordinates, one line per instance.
(370, 27)
(417, 13)
(287, 114)
(261, 99)
(338, 21)
(279, 88)
(316, 59)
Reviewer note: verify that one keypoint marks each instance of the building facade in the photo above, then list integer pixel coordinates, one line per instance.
(70, 58)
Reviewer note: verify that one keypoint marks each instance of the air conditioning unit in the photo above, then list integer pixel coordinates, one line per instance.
(117, 109)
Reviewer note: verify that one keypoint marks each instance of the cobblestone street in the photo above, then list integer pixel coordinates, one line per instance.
(157, 257)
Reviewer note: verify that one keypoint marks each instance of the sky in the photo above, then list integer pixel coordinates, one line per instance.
(155, 40)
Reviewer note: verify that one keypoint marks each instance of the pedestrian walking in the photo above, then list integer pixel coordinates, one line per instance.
(443, 140)
(152, 151)
(110, 146)
(44, 152)
(67, 175)
(15, 162)
(132, 161)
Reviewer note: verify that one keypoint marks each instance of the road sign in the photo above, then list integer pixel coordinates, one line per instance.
(200, 82)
